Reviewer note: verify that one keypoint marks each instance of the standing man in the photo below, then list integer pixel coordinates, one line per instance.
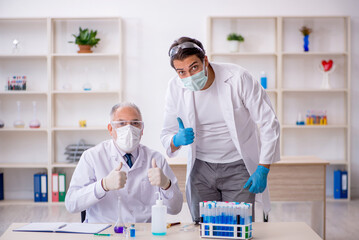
(225, 117)
(122, 167)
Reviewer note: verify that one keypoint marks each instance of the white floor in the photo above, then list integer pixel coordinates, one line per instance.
(342, 217)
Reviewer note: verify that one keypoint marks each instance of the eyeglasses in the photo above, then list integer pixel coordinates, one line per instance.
(119, 124)
(184, 45)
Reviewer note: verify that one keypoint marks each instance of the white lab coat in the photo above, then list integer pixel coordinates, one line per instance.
(245, 105)
(138, 195)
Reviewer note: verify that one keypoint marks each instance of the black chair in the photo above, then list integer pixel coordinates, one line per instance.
(83, 216)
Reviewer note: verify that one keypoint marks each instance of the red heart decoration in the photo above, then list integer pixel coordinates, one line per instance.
(327, 65)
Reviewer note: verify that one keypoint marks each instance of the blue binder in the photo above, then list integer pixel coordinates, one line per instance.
(37, 187)
(337, 184)
(344, 185)
(44, 188)
(1, 186)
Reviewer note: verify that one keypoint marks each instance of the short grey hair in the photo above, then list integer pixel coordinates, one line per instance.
(122, 105)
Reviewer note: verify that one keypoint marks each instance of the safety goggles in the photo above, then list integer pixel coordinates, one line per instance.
(184, 45)
(119, 124)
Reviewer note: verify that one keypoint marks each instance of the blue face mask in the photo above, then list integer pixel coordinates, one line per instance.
(195, 82)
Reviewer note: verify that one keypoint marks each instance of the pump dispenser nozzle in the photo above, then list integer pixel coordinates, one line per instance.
(159, 201)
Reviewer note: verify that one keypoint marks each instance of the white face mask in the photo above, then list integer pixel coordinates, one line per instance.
(128, 138)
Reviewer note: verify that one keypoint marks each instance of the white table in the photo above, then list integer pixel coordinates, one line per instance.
(261, 231)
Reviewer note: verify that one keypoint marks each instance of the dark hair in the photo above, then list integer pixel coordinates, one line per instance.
(186, 52)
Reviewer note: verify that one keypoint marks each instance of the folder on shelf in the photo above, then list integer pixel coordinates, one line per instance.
(337, 184)
(1, 186)
(62, 187)
(37, 187)
(344, 185)
(55, 187)
(43, 187)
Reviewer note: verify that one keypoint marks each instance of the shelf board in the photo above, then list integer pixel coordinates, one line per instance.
(314, 53)
(23, 165)
(28, 202)
(332, 199)
(85, 54)
(96, 128)
(23, 56)
(22, 202)
(86, 92)
(20, 92)
(228, 54)
(25, 129)
(64, 165)
(338, 162)
(314, 126)
(319, 90)
(271, 90)
(85, 18)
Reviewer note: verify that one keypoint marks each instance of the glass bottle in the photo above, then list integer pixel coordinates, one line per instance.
(18, 123)
(264, 80)
(34, 123)
(2, 123)
(132, 230)
(16, 46)
(119, 226)
(87, 85)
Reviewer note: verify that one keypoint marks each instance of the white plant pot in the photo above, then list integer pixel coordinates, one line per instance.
(233, 46)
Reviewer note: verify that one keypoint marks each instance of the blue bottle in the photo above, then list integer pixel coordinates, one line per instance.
(264, 80)
(132, 230)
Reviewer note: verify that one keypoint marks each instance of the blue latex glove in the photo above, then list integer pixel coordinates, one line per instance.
(258, 180)
(184, 136)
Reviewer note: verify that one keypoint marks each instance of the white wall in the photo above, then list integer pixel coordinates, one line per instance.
(151, 26)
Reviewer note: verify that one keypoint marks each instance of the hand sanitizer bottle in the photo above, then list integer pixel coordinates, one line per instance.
(159, 212)
(264, 80)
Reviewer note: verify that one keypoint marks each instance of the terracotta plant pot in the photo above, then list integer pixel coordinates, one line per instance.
(84, 49)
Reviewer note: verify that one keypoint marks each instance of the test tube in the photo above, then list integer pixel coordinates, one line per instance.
(201, 213)
(250, 213)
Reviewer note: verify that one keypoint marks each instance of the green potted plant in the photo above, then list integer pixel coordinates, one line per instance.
(234, 39)
(86, 39)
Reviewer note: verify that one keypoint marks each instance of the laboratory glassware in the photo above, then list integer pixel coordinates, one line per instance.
(2, 123)
(119, 226)
(34, 123)
(18, 123)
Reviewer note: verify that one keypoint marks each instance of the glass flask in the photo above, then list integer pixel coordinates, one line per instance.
(34, 123)
(119, 226)
(18, 123)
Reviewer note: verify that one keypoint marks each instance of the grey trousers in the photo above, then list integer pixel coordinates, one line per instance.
(218, 182)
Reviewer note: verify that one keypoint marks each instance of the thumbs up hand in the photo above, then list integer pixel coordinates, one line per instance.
(184, 136)
(157, 177)
(115, 180)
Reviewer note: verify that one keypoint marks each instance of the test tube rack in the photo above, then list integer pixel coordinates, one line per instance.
(228, 231)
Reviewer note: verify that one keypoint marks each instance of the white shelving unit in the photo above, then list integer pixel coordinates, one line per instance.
(56, 74)
(275, 45)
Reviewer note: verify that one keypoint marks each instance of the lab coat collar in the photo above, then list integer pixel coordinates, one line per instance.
(220, 73)
(117, 155)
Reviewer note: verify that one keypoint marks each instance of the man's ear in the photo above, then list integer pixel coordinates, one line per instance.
(206, 63)
(109, 128)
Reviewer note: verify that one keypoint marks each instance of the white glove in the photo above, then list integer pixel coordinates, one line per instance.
(115, 180)
(156, 176)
